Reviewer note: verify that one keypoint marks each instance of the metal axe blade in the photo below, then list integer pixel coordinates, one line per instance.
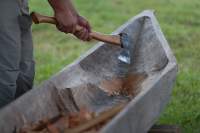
(124, 55)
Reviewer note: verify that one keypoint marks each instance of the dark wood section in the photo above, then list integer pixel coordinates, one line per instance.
(165, 129)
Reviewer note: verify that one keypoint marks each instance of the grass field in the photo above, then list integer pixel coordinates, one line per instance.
(180, 22)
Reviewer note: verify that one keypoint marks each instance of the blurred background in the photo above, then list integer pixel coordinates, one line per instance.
(180, 22)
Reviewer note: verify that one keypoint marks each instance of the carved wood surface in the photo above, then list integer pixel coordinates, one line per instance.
(80, 83)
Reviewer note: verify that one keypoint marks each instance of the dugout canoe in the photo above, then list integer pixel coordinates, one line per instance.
(78, 84)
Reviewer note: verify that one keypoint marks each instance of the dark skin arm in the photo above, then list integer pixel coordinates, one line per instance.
(67, 19)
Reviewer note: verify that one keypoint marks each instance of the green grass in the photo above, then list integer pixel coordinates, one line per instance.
(180, 23)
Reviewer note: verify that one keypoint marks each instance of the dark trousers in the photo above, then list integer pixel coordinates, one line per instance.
(16, 50)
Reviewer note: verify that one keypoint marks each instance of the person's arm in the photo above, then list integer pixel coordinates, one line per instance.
(67, 18)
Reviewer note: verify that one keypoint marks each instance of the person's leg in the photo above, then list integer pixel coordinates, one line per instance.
(10, 43)
(26, 75)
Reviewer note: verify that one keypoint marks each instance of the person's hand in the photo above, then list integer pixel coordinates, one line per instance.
(84, 33)
(67, 19)
(67, 22)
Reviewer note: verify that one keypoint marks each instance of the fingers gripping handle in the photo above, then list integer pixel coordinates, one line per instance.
(38, 18)
(112, 39)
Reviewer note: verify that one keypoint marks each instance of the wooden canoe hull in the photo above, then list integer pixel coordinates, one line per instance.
(79, 84)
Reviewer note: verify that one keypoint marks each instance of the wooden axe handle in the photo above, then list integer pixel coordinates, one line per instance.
(112, 39)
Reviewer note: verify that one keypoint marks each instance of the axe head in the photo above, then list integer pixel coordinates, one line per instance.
(125, 54)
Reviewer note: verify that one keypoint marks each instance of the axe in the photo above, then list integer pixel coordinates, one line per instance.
(121, 40)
